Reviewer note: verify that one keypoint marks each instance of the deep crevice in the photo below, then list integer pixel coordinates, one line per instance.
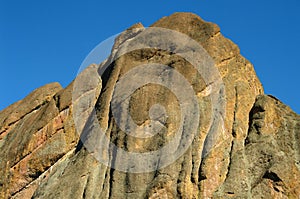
(36, 174)
(230, 160)
(85, 187)
(272, 176)
(201, 174)
(227, 59)
(106, 74)
(57, 101)
(113, 152)
(254, 110)
(233, 133)
(234, 113)
(276, 189)
(180, 176)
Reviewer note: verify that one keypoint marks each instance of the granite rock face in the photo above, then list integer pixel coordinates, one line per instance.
(256, 153)
(35, 133)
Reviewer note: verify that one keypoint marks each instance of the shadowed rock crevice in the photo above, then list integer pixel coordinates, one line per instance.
(272, 176)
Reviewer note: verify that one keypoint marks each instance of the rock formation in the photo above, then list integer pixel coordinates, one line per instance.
(256, 153)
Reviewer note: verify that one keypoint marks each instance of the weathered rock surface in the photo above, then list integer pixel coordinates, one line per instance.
(256, 153)
(37, 132)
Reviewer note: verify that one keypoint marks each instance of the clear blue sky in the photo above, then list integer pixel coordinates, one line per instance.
(46, 41)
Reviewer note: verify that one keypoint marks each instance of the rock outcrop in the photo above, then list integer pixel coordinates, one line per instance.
(256, 153)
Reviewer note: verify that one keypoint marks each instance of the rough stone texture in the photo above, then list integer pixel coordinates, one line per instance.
(270, 153)
(256, 155)
(37, 133)
(10, 116)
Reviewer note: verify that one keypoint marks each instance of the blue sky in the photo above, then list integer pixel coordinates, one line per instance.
(46, 41)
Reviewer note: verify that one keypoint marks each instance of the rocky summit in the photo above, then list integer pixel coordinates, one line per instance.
(205, 131)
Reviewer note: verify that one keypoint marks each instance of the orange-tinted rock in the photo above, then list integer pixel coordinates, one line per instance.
(39, 137)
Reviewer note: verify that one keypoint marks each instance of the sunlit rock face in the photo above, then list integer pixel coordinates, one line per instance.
(49, 147)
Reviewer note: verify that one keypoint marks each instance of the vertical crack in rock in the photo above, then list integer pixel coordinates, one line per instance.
(85, 186)
(230, 160)
(234, 113)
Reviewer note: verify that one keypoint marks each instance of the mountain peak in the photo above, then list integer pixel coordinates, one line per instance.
(154, 124)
